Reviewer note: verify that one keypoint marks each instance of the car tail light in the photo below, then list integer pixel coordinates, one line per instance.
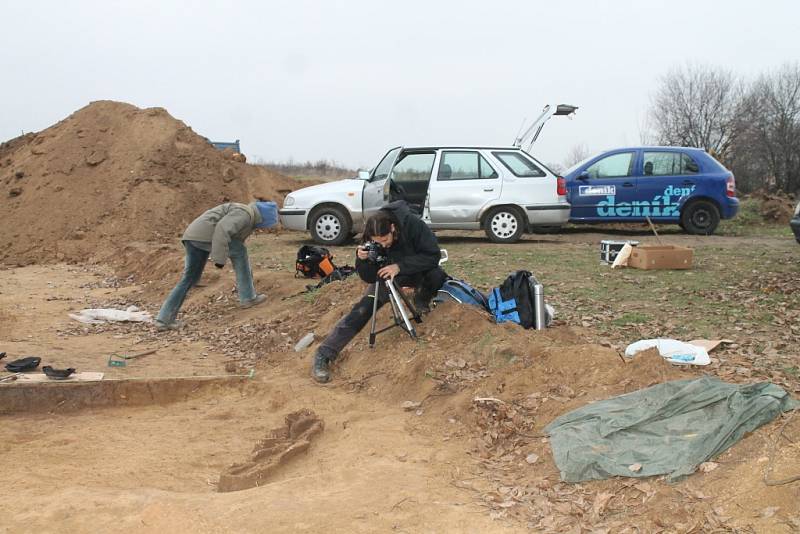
(561, 186)
(730, 186)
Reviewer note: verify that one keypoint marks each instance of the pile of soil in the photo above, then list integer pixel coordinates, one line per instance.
(775, 208)
(111, 174)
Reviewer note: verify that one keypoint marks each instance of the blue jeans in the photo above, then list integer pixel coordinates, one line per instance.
(195, 263)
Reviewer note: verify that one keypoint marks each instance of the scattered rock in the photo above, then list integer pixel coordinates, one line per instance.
(635, 468)
(15, 192)
(410, 405)
(96, 157)
(707, 467)
(532, 458)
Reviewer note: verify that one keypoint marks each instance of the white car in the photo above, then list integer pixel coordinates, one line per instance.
(502, 190)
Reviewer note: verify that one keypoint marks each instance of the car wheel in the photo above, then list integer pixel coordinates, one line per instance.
(503, 225)
(330, 225)
(701, 217)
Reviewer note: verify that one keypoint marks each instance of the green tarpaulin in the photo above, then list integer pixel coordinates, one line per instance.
(669, 428)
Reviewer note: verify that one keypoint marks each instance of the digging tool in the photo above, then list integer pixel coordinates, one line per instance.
(121, 360)
(10, 378)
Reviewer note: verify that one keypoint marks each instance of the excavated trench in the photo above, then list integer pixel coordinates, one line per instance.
(71, 397)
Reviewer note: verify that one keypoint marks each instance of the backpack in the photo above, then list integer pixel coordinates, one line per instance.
(314, 262)
(514, 300)
(461, 292)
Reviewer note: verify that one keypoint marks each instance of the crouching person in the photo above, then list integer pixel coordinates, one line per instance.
(216, 235)
(412, 260)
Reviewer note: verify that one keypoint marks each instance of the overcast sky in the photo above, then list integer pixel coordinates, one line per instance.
(347, 80)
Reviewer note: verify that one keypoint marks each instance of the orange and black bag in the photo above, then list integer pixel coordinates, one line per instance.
(314, 262)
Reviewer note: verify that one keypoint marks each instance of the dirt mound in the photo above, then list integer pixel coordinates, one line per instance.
(281, 445)
(110, 174)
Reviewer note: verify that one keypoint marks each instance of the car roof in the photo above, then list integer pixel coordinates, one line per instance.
(655, 147)
(460, 147)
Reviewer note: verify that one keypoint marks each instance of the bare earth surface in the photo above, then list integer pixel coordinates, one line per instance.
(221, 429)
(150, 459)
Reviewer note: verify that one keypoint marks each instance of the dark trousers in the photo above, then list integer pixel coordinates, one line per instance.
(427, 284)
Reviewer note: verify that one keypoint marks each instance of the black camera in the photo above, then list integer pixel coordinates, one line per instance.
(376, 253)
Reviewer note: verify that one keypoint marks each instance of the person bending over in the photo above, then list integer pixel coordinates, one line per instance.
(219, 234)
(412, 261)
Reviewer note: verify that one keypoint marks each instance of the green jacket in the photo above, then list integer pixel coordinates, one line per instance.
(222, 224)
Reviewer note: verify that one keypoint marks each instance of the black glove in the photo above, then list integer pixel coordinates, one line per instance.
(219, 265)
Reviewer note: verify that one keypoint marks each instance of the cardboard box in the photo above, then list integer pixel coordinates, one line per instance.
(661, 257)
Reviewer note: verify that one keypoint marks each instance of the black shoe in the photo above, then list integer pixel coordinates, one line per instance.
(320, 370)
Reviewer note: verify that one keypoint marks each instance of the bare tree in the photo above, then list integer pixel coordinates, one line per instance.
(577, 153)
(697, 106)
(768, 149)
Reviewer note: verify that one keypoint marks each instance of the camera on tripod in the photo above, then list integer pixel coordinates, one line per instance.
(376, 253)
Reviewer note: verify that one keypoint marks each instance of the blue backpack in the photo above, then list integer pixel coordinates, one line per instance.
(514, 300)
(461, 292)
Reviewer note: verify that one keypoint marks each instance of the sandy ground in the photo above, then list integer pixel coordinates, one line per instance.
(124, 461)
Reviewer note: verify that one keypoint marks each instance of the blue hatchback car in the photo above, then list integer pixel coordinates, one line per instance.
(678, 185)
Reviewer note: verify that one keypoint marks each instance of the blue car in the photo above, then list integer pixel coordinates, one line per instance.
(685, 186)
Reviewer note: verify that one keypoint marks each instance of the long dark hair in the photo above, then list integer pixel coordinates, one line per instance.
(378, 224)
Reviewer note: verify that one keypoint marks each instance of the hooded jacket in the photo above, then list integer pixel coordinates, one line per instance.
(415, 249)
(221, 224)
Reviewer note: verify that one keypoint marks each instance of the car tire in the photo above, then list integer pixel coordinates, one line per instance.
(330, 225)
(504, 224)
(700, 217)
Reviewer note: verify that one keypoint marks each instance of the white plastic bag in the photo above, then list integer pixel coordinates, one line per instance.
(102, 315)
(622, 256)
(672, 350)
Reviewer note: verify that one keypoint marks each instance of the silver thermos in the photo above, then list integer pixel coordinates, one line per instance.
(538, 297)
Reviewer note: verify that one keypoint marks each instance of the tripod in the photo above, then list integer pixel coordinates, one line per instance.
(400, 312)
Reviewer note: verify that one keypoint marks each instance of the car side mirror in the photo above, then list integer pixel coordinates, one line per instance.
(583, 175)
(692, 167)
(363, 175)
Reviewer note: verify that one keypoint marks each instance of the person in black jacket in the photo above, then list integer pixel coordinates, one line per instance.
(412, 261)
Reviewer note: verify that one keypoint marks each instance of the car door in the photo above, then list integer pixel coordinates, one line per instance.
(465, 181)
(667, 179)
(410, 177)
(605, 188)
(375, 193)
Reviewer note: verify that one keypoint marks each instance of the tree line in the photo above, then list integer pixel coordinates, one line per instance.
(752, 126)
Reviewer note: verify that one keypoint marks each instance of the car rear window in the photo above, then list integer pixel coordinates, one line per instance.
(668, 164)
(519, 165)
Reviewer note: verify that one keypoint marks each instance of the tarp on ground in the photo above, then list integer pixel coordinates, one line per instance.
(669, 428)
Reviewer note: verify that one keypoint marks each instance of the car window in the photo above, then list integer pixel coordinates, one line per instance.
(519, 165)
(383, 168)
(668, 164)
(689, 165)
(413, 168)
(614, 166)
(464, 166)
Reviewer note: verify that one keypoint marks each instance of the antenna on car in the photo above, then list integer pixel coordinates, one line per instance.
(532, 132)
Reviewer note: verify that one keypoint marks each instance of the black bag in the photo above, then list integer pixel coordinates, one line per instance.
(57, 374)
(23, 364)
(314, 262)
(514, 300)
(339, 273)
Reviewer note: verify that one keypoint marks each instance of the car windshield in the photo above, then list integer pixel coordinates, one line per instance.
(575, 167)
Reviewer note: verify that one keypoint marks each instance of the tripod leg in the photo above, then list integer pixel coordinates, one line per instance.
(398, 301)
(414, 313)
(372, 333)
